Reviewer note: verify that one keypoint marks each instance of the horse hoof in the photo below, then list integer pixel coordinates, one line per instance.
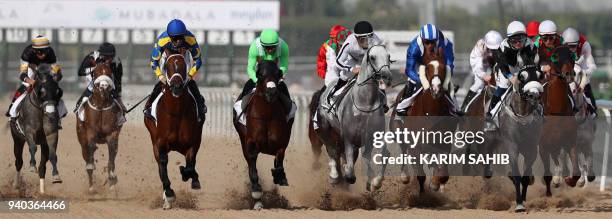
(531, 180)
(32, 169)
(332, 180)
(350, 179)
(42, 186)
(556, 181)
(405, 179)
(195, 185)
(91, 189)
(581, 182)
(434, 187)
(167, 201)
(591, 178)
(570, 181)
(57, 179)
(519, 208)
(376, 183)
(258, 205)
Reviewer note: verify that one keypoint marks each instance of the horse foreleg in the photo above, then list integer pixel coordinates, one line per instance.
(32, 149)
(547, 174)
(332, 154)
(189, 171)
(421, 177)
(278, 173)
(161, 156)
(349, 167)
(587, 151)
(251, 157)
(18, 152)
(42, 166)
(575, 175)
(374, 179)
(516, 180)
(113, 147)
(53, 159)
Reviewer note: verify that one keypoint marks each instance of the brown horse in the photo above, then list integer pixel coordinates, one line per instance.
(267, 129)
(431, 111)
(560, 127)
(101, 123)
(176, 126)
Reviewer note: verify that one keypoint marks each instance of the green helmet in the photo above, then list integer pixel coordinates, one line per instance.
(268, 37)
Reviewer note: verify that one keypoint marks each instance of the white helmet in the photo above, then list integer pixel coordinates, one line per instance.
(515, 27)
(547, 27)
(570, 36)
(493, 39)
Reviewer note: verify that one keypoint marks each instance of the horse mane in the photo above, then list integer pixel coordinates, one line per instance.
(266, 65)
(563, 55)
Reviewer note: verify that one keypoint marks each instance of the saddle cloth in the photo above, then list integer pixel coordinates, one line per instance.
(243, 103)
(156, 101)
(81, 112)
(14, 110)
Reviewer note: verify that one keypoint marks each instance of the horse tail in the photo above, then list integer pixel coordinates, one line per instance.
(314, 101)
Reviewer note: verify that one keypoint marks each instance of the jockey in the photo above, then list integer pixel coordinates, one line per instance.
(481, 60)
(326, 61)
(516, 52)
(533, 29)
(174, 38)
(267, 47)
(37, 53)
(351, 54)
(430, 37)
(105, 53)
(546, 41)
(584, 61)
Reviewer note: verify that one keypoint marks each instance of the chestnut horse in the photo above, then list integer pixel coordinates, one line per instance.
(267, 128)
(176, 127)
(431, 111)
(559, 130)
(101, 123)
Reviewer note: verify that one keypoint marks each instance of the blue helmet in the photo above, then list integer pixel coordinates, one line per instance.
(176, 27)
(429, 32)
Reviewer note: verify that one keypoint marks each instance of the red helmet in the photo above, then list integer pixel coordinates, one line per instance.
(532, 28)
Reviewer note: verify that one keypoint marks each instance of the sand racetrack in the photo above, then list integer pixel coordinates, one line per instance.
(223, 175)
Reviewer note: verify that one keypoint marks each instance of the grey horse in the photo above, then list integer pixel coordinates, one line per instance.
(587, 127)
(520, 121)
(38, 124)
(357, 117)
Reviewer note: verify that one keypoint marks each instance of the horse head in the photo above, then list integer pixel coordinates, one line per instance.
(268, 76)
(46, 89)
(563, 66)
(378, 62)
(529, 86)
(434, 72)
(103, 79)
(176, 71)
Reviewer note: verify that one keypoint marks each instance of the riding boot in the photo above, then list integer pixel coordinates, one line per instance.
(330, 95)
(588, 91)
(156, 90)
(248, 87)
(193, 88)
(408, 91)
(385, 105)
(86, 94)
(20, 91)
(282, 87)
(470, 95)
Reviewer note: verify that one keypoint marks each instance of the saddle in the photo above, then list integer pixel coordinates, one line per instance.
(241, 105)
(156, 101)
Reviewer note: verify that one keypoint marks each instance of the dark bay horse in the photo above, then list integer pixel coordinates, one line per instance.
(176, 127)
(559, 130)
(431, 111)
(101, 123)
(267, 128)
(38, 124)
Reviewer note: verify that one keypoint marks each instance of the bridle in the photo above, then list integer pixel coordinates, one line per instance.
(377, 71)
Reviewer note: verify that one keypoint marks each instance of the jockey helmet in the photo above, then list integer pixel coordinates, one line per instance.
(363, 28)
(40, 42)
(268, 37)
(335, 30)
(514, 28)
(107, 49)
(570, 36)
(547, 27)
(532, 28)
(176, 27)
(429, 32)
(493, 39)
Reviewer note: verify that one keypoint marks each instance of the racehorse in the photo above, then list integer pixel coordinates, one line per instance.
(520, 124)
(175, 126)
(560, 127)
(587, 127)
(357, 117)
(321, 135)
(431, 111)
(38, 124)
(100, 123)
(267, 128)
